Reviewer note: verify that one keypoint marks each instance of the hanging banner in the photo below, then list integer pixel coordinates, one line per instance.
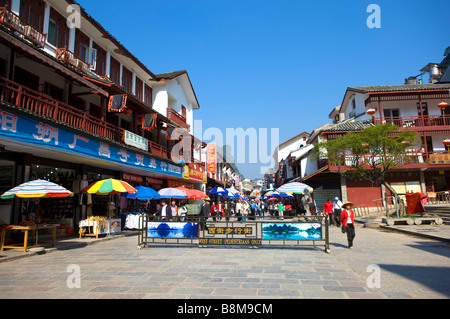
(211, 157)
(117, 103)
(149, 121)
(18, 128)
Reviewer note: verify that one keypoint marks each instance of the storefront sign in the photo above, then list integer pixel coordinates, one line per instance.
(135, 140)
(195, 173)
(211, 157)
(35, 133)
(154, 181)
(133, 178)
(438, 159)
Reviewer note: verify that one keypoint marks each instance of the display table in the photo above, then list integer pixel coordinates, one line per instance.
(34, 229)
(95, 226)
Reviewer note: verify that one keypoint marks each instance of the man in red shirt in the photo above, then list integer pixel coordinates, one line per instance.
(328, 209)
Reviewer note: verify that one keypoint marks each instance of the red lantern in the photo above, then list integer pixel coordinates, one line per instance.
(442, 105)
(446, 142)
(406, 143)
(371, 112)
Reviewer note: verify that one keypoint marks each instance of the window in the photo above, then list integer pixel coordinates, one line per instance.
(424, 108)
(51, 37)
(93, 60)
(84, 52)
(392, 116)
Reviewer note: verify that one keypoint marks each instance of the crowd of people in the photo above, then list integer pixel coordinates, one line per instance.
(225, 209)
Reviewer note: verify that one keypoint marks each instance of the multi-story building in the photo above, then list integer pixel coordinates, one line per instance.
(422, 107)
(77, 106)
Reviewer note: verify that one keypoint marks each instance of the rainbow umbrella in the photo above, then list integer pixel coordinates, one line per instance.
(37, 189)
(109, 186)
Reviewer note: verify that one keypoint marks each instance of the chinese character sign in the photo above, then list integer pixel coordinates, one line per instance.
(22, 129)
(211, 158)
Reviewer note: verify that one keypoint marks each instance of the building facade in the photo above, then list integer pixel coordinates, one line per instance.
(422, 107)
(76, 106)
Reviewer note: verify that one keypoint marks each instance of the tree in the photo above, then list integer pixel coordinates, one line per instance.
(369, 154)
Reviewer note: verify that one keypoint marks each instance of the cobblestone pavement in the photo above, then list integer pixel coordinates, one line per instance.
(409, 267)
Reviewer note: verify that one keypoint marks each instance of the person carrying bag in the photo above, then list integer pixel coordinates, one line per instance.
(348, 222)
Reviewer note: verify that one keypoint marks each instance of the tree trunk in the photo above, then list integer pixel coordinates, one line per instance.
(401, 203)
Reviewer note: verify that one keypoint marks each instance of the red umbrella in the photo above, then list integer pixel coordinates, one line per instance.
(193, 193)
(272, 198)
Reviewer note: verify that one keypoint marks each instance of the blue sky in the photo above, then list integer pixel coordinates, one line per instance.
(277, 64)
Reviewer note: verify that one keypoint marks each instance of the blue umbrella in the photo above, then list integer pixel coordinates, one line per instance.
(144, 193)
(218, 191)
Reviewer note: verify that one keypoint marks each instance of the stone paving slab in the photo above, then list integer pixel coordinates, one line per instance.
(410, 267)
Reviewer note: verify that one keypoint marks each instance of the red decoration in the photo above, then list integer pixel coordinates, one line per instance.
(371, 112)
(446, 142)
(442, 105)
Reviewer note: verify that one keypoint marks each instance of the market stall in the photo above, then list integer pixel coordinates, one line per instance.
(32, 221)
(104, 225)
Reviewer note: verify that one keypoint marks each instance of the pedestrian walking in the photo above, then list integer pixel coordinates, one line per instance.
(328, 209)
(204, 213)
(238, 211)
(337, 208)
(280, 210)
(348, 222)
(220, 211)
(245, 208)
(213, 211)
(164, 212)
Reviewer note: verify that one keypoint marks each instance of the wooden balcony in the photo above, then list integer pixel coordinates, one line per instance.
(417, 123)
(409, 160)
(177, 118)
(43, 105)
(27, 31)
(63, 54)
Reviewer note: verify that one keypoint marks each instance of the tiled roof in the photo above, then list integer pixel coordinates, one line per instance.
(169, 75)
(402, 87)
(349, 126)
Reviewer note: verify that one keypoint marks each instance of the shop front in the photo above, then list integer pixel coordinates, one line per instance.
(33, 149)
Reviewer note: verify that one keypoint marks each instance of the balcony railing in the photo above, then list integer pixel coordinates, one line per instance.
(415, 121)
(65, 55)
(177, 118)
(33, 101)
(27, 31)
(405, 160)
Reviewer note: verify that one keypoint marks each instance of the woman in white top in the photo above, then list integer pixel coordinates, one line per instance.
(238, 211)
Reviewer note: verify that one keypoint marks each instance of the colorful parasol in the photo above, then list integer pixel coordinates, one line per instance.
(37, 189)
(144, 193)
(193, 193)
(171, 192)
(109, 186)
(294, 187)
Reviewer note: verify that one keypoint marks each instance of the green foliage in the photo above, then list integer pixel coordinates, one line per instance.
(369, 154)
